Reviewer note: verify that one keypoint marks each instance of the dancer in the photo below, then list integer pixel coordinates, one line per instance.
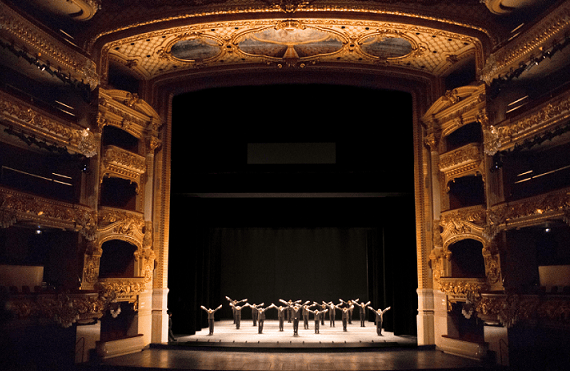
(349, 303)
(211, 317)
(237, 310)
(290, 305)
(297, 309)
(345, 315)
(332, 312)
(319, 315)
(379, 318)
(362, 312)
(261, 317)
(323, 306)
(254, 312)
(234, 302)
(305, 312)
(281, 311)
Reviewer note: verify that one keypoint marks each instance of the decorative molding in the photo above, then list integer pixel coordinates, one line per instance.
(524, 48)
(41, 124)
(529, 211)
(123, 164)
(27, 36)
(120, 224)
(125, 289)
(466, 160)
(547, 115)
(459, 289)
(22, 207)
(509, 309)
(464, 223)
(62, 308)
(128, 112)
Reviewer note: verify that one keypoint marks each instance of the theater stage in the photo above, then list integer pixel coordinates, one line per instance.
(226, 335)
(332, 349)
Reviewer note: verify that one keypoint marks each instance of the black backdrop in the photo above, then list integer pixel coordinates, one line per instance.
(351, 252)
(233, 230)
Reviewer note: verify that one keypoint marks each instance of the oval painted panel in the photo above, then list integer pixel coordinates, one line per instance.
(386, 47)
(195, 49)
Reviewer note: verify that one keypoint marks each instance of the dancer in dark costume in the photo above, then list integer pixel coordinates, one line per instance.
(235, 302)
(297, 310)
(254, 312)
(322, 307)
(379, 318)
(290, 304)
(261, 317)
(345, 315)
(332, 312)
(281, 311)
(305, 312)
(211, 313)
(237, 311)
(362, 312)
(319, 314)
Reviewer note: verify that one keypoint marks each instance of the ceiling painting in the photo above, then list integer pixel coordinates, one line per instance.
(197, 49)
(292, 43)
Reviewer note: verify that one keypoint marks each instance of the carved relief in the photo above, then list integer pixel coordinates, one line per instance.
(468, 222)
(123, 164)
(18, 206)
(460, 289)
(467, 160)
(41, 124)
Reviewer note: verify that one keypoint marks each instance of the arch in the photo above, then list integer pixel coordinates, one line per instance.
(117, 258)
(466, 258)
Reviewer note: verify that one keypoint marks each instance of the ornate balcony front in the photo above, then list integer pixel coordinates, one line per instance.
(123, 164)
(464, 161)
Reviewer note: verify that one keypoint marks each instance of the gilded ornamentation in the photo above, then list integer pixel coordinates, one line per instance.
(64, 309)
(542, 35)
(468, 222)
(41, 124)
(528, 211)
(121, 222)
(551, 113)
(123, 164)
(26, 35)
(125, 289)
(17, 206)
(509, 309)
(492, 264)
(460, 289)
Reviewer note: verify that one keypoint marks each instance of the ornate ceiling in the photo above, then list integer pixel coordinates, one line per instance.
(162, 41)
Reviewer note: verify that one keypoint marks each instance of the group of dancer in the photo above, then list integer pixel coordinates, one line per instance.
(293, 311)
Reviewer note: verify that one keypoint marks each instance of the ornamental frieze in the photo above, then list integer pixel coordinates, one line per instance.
(125, 289)
(550, 114)
(509, 309)
(26, 117)
(529, 211)
(468, 222)
(128, 112)
(459, 289)
(21, 207)
(64, 309)
(123, 164)
(463, 161)
(25, 35)
(123, 223)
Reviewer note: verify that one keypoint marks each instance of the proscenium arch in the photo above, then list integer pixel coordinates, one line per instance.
(423, 87)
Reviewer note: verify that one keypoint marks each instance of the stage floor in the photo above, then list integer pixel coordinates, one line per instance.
(247, 336)
(332, 349)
